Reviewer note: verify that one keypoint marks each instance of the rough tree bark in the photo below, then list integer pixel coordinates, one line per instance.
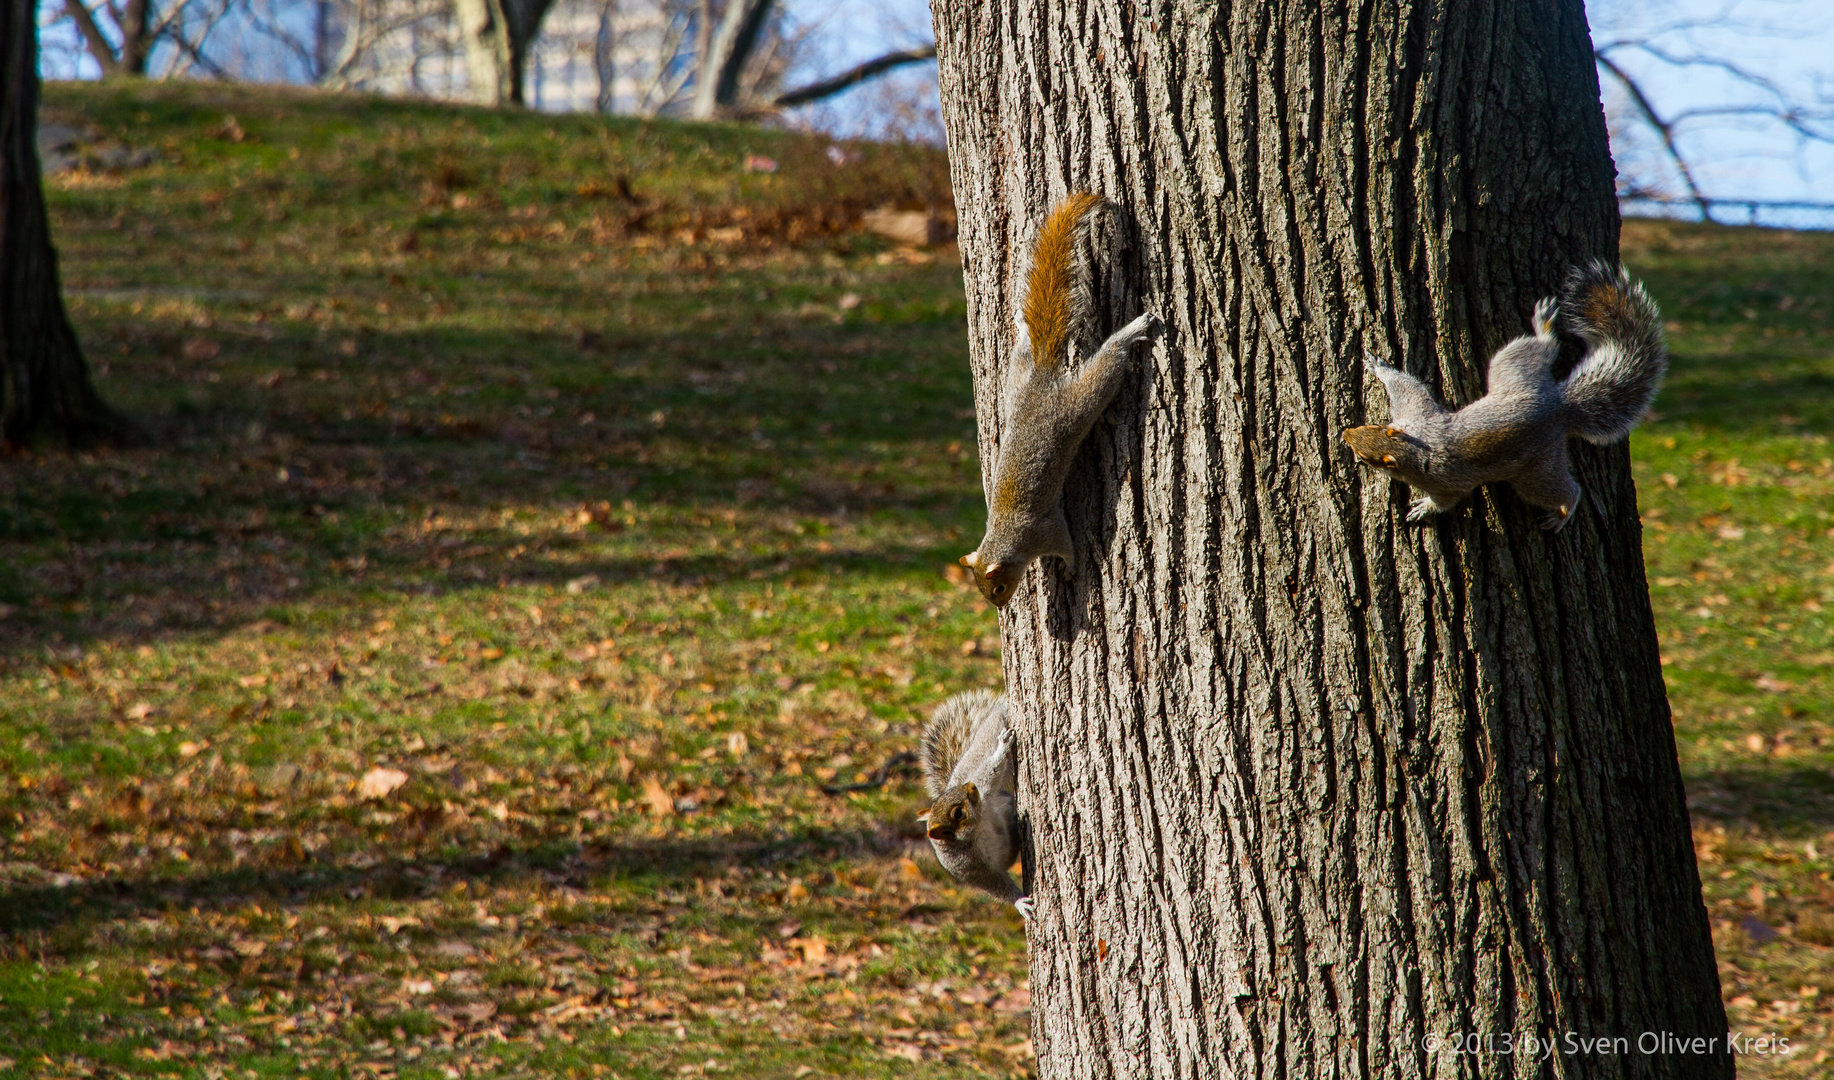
(44, 383)
(1308, 785)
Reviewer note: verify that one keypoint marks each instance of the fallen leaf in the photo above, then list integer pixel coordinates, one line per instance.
(139, 710)
(201, 348)
(814, 949)
(1770, 684)
(379, 782)
(659, 801)
(737, 745)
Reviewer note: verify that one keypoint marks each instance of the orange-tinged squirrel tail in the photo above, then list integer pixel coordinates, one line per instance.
(1051, 294)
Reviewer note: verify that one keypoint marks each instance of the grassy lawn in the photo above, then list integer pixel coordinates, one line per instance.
(544, 510)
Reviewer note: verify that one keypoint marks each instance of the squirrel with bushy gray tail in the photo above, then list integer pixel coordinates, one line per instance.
(1049, 405)
(1518, 430)
(968, 771)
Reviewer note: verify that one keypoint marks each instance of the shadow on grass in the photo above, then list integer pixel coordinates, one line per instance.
(310, 490)
(1791, 801)
(675, 863)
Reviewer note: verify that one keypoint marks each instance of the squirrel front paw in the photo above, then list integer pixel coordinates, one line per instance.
(1422, 508)
(1024, 904)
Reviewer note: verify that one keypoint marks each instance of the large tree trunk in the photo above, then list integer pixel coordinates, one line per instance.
(1310, 787)
(44, 384)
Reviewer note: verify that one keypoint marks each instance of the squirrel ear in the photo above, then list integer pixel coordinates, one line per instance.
(1391, 432)
(925, 816)
(972, 560)
(1388, 461)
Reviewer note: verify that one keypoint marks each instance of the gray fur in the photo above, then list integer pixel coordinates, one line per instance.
(1610, 390)
(1518, 430)
(968, 742)
(1047, 408)
(952, 732)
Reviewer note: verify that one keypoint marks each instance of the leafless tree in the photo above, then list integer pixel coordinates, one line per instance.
(1633, 55)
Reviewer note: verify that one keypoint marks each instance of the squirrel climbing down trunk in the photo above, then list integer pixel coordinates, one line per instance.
(1518, 430)
(968, 771)
(1049, 403)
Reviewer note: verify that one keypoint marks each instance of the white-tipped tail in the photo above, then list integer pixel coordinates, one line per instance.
(1612, 387)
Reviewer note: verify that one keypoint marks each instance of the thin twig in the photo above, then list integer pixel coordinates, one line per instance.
(878, 779)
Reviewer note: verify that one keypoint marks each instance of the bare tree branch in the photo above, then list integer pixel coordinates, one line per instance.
(1662, 127)
(824, 88)
(99, 48)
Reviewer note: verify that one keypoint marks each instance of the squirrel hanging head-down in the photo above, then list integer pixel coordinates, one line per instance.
(969, 770)
(1049, 403)
(1518, 430)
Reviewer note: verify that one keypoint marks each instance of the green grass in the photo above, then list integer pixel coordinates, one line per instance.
(1736, 481)
(595, 534)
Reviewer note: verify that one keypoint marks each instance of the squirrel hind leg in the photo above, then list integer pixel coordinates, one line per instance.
(1546, 311)
(1056, 541)
(1553, 489)
(1561, 516)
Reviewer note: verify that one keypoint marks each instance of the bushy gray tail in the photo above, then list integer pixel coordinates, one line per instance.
(1612, 387)
(947, 734)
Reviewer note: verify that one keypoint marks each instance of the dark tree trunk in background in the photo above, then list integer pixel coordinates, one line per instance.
(1308, 785)
(44, 384)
